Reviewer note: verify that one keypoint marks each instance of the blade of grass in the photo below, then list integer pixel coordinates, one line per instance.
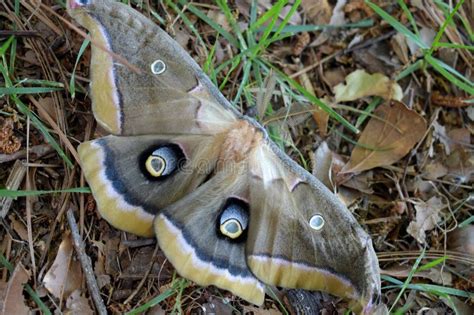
(187, 22)
(7, 44)
(72, 82)
(429, 288)
(397, 25)
(193, 9)
(443, 27)
(432, 264)
(43, 83)
(233, 23)
(408, 280)
(368, 110)
(274, 11)
(436, 64)
(288, 16)
(27, 90)
(295, 29)
(24, 193)
(410, 69)
(446, 7)
(176, 286)
(269, 14)
(313, 99)
(410, 17)
(457, 46)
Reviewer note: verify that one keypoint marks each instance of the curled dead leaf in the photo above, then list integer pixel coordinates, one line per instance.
(427, 216)
(388, 136)
(65, 274)
(360, 84)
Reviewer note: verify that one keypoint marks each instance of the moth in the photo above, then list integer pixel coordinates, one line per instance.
(227, 206)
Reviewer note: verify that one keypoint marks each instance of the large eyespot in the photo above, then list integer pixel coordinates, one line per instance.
(74, 4)
(161, 161)
(234, 219)
(158, 67)
(316, 222)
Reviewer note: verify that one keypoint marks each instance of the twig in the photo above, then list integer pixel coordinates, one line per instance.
(86, 264)
(145, 277)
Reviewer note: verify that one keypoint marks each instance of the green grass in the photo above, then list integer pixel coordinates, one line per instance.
(449, 73)
(252, 44)
(24, 193)
(177, 287)
(13, 90)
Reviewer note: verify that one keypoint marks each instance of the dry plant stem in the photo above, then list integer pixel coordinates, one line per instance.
(17, 174)
(38, 150)
(55, 127)
(85, 263)
(454, 256)
(145, 276)
(29, 206)
(65, 197)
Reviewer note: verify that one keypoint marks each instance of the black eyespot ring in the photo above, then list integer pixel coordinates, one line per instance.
(161, 161)
(233, 220)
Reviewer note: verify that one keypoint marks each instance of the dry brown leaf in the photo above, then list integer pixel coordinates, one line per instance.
(65, 274)
(437, 275)
(261, 311)
(19, 228)
(78, 304)
(462, 240)
(427, 216)
(217, 306)
(390, 136)
(317, 11)
(103, 278)
(12, 300)
(360, 84)
(322, 160)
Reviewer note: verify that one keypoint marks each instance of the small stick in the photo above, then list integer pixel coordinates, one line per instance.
(86, 263)
(145, 277)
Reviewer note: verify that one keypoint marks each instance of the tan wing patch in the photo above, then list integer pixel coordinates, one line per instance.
(111, 205)
(105, 98)
(280, 272)
(187, 263)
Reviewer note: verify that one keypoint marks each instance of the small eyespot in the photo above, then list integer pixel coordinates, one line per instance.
(316, 222)
(155, 165)
(231, 228)
(158, 67)
(74, 4)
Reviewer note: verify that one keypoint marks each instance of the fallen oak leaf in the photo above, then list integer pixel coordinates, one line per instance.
(389, 135)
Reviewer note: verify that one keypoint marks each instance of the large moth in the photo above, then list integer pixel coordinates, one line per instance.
(227, 206)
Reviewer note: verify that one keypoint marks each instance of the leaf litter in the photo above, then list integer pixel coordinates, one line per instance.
(390, 134)
(391, 177)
